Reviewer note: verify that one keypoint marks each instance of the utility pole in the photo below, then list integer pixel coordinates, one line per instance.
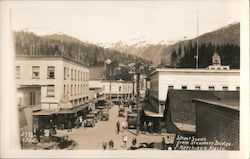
(138, 98)
(110, 83)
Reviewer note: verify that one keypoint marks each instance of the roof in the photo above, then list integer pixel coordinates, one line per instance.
(73, 109)
(229, 104)
(49, 57)
(96, 73)
(44, 112)
(182, 108)
(193, 70)
(60, 111)
(153, 114)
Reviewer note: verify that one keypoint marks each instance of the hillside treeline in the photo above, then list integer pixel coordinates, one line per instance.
(184, 56)
(27, 43)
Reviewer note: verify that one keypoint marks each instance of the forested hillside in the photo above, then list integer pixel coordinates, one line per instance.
(27, 43)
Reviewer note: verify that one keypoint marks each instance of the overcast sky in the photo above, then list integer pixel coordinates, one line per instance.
(108, 22)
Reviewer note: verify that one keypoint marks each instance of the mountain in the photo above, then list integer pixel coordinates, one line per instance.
(28, 43)
(62, 37)
(161, 53)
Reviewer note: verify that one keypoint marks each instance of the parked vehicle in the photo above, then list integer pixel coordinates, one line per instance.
(121, 112)
(131, 119)
(97, 113)
(90, 120)
(105, 115)
(100, 104)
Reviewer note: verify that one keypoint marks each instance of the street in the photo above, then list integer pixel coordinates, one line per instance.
(93, 137)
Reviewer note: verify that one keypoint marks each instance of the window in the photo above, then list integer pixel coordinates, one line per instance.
(67, 89)
(81, 89)
(211, 88)
(197, 87)
(71, 90)
(170, 87)
(65, 73)
(32, 98)
(81, 75)
(51, 71)
(72, 74)
(78, 76)
(35, 71)
(225, 88)
(17, 71)
(64, 89)
(50, 90)
(237, 88)
(75, 75)
(75, 89)
(78, 91)
(120, 88)
(184, 87)
(68, 72)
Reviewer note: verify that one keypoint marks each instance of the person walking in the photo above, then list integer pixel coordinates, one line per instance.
(111, 144)
(38, 135)
(118, 126)
(134, 141)
(145, 127)
(69, 126)
(163, 143)
(125, 139)
(104, 144)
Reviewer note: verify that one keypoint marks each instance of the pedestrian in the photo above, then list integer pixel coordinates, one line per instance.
(111, 144)
(145, 127)
(163, 143)
(69, 126)
(118, 126)
(150, 127)
(104, 144)
(38, 134)
(125, 139)
(134, 141)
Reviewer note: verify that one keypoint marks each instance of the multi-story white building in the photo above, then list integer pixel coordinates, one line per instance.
(53, 82)
(119, 89)
(212, 78)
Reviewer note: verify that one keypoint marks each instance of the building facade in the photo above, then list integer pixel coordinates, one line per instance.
(53, 82)
(119, 89)
(215, 77)
(162, 80)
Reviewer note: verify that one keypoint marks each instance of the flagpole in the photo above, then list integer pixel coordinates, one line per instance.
(197, 41)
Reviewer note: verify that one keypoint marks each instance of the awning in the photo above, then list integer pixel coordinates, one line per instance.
(153, 114)
(73, 110)
(44, 112)
(185, 127)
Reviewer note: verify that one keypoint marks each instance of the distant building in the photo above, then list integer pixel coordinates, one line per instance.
(119, 89)
(97, 74)
(214, 78)
(51, 84)
(216, 63)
